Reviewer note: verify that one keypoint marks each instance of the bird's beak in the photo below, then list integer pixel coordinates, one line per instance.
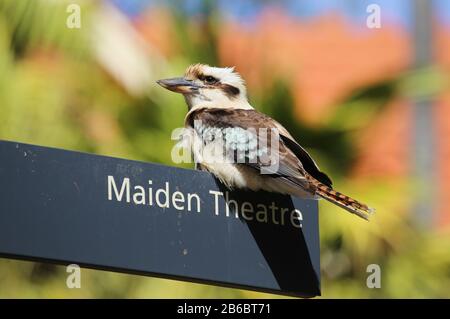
(179, 85)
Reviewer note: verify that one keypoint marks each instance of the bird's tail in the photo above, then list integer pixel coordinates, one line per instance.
(343, 201)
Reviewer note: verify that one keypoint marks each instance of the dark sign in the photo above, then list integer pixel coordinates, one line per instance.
(128, 216)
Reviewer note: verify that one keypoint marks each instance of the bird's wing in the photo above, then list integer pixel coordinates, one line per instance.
(308, 163)
(294, 163)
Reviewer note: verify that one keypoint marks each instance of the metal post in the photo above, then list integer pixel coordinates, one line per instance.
(423, 146)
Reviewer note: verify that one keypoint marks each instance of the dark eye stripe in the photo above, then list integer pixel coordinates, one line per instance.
(230, 90)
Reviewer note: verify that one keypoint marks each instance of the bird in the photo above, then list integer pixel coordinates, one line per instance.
(244, 148)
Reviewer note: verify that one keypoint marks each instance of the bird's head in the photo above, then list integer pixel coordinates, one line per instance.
(203, 86)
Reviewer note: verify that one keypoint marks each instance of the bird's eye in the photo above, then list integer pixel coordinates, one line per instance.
(210, 79)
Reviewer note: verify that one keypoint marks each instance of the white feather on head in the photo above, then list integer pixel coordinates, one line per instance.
(226, 75)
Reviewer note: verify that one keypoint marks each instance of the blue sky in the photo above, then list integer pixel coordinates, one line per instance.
(399, 12)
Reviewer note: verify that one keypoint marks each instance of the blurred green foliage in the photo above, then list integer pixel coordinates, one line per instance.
(53, 92)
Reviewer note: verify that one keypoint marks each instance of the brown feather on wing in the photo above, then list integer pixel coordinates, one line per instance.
(308, 163)
(294, 162)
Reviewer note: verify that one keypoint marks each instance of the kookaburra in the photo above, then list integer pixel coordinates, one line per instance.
(244, 148)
